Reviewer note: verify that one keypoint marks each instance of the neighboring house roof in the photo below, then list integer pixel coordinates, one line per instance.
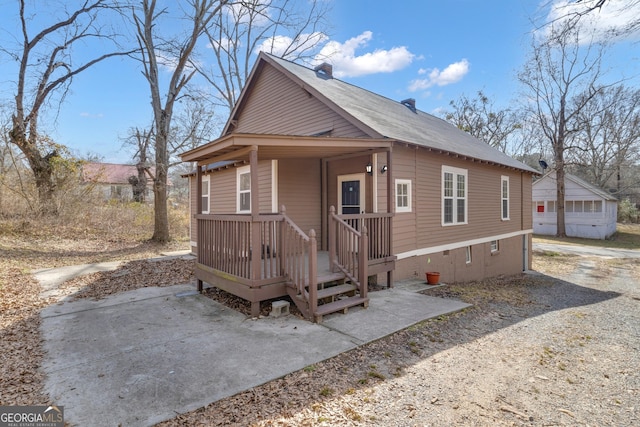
(581, 182)
(109, 173)
(381, 117)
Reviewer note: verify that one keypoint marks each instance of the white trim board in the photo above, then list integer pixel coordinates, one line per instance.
(456, 245)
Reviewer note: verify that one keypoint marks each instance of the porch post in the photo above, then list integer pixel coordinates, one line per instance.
(324, 188)
(332, 239)
(363, 263)
(391, 196)
(256, 241)
(194, 221)
(198, 189)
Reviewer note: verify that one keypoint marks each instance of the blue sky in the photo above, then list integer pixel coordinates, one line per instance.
(433, 51)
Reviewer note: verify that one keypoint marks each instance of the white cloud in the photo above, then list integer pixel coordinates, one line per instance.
(279, 45)
(347, 64)
(452, 74)
(91, 115)
(257, 15)
(604, 23)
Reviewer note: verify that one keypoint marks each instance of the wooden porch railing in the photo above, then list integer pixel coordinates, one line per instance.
(300, 261)
(345, 250)
(246, 254)
(224, 243)
(378, 226)
(284, 252)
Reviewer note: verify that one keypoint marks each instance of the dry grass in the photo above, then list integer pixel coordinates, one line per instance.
(512, 290)
(111, 232)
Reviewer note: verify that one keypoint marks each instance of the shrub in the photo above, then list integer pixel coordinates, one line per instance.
(627, 212)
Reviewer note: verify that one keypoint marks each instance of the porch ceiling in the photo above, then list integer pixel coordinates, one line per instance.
(238, 147)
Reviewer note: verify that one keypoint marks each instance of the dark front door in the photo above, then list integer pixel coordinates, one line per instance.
(351, 197)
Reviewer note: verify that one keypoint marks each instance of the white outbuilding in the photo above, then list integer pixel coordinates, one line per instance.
(590, 212)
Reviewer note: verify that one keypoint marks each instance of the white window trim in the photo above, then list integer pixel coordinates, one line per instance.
(502, 198)
(206, 209)
(495, 246)
(455, 172)
(352, 177)
(407, 208)
(240, 171)
(468, 255)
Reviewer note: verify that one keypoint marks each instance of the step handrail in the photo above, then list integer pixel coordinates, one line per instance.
(348, 250)
(300, 260)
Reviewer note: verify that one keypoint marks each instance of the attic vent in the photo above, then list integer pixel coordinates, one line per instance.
(325, 68)
(410, 103)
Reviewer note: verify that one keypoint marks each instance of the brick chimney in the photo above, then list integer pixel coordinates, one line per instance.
(325, 68)
(410, 103)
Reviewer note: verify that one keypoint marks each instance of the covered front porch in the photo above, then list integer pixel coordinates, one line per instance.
(263, 255)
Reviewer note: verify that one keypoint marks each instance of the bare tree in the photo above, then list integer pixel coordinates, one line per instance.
(193, 124)
(574, 13)
(46, 69)
(608, 136)
(289, 29)
(174, 54)
(560, 79)
(141, 140)
(478, 117)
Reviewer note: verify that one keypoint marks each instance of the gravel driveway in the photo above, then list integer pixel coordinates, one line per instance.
(563, 348)
(572, 358)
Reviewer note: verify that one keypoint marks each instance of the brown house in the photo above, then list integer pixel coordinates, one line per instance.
(318, 187)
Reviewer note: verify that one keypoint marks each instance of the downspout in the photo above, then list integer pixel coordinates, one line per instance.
(525, 236)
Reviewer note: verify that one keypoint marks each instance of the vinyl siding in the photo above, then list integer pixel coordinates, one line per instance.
(422, 228)
(382, 183)
(223, 197)
(404, 225)
(299, 191)
(277, 105)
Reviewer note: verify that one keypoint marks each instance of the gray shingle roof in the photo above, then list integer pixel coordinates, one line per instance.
(599, 191)
(581, 182)
(394, 120)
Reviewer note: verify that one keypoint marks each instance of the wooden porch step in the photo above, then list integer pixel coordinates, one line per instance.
(336, 290)
(339, 305)
(329, 277)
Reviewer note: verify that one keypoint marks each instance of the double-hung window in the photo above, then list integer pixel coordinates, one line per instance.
(206, 193)
(403, 195)
(454, 196)
(244, 190)
(505, 197)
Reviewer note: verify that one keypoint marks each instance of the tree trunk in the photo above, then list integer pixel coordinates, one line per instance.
(558, 151)
(561, 229)
(41, 168)
(161, 220)
(161, 223)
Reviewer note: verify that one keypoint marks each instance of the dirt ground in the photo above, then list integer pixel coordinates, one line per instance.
(556, 348)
